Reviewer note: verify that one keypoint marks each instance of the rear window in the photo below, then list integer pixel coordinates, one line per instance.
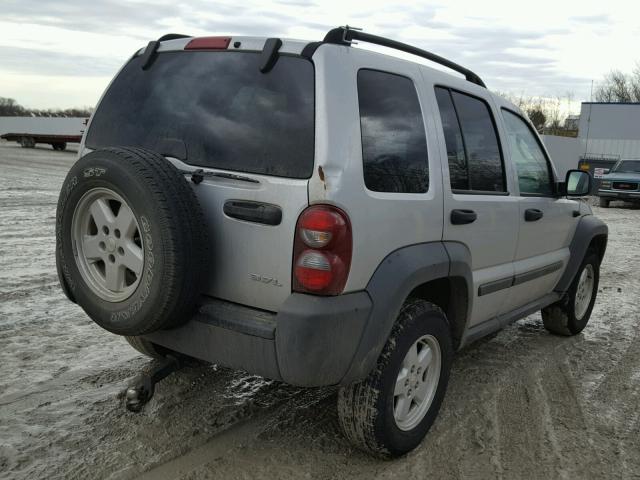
(214, 109)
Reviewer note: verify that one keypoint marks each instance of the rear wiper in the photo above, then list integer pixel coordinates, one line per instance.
(198, 175)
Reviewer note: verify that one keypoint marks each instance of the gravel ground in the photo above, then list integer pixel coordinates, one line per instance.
(520, 404)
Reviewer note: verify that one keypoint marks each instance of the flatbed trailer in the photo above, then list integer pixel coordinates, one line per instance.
(29, 140)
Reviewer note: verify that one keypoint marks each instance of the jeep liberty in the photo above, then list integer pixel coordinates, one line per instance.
(321, 214)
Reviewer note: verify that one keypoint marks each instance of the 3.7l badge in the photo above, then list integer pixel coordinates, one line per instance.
(263, 279)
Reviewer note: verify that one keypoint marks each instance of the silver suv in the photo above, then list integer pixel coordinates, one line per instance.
(321, 214)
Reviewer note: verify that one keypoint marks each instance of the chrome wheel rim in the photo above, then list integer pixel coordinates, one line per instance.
(417, 382)
(584, 291)
(107, 244)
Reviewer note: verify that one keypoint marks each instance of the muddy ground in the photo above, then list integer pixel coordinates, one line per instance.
(523, 404)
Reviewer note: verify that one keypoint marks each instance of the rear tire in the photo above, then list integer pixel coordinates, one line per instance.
(59, 146)
(570, 315)
(371, 412)
(147, 348)
(28, 142)
(604, 202)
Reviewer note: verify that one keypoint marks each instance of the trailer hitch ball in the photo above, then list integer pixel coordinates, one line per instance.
(141, 390)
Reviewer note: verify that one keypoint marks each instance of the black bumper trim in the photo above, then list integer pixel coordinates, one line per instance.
(311, 341)
(239, 318)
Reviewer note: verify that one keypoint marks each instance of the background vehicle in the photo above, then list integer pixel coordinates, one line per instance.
(55, 131)
(365, 217)
(621, 183)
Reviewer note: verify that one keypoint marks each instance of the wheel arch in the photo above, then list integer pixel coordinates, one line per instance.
(451, 295)
(591, 235)
(598, 245)
(439, 272)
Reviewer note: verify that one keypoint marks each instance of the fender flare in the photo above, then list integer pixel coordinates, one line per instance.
(587, 229)
(395, 278)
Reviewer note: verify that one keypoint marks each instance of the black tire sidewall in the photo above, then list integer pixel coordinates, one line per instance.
(396, 441)
(574, 324)
(99, 169)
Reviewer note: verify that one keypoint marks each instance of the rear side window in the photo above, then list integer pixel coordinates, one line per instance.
(394, 144)
(475, 159)
(534, 174)
(215, 109)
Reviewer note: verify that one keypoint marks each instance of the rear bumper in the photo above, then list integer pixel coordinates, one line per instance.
(311, 341)
(631, 195)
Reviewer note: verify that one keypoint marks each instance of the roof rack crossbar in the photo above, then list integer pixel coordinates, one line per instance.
(346, 36)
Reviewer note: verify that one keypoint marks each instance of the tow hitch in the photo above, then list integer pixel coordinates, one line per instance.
(141, 390)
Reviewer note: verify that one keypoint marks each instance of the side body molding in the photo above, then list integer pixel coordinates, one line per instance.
(588, 228)
(395, 278)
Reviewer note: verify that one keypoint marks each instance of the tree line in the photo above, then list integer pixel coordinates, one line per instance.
(10, 108)
(546, 113)
(619, 87)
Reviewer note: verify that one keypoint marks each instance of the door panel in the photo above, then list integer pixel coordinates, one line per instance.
(475, 182)
(541, 244)
(546, 222)
(492, 240)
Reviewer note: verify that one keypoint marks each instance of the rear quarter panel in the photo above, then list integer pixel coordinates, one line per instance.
(381, 222)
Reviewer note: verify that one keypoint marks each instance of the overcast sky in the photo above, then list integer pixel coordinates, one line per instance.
(63, 54)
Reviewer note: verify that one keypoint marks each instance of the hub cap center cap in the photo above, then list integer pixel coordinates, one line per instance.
(111, 244)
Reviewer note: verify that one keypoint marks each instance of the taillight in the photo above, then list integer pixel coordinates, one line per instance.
(208, 43)
(322, 251)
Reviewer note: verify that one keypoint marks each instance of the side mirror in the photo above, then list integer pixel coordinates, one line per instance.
(578, 183)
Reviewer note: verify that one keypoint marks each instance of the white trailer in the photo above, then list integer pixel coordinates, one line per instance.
(56, 131)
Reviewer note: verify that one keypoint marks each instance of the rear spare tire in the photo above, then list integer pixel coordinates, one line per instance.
(130, 243)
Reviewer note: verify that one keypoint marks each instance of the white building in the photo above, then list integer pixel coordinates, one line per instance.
(607, 132)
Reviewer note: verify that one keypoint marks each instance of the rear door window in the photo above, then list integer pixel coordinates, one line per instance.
(216, 109)
(394, 143)
(456, 155)
(473, 130)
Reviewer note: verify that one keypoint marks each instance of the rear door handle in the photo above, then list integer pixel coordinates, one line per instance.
(462, 217)
(533, 214)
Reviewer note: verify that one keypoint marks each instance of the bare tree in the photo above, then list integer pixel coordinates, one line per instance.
(537, 117)
(10, 108)
(546, 113)
(619, 87)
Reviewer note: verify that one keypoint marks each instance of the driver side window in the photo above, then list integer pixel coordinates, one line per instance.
(534, 172)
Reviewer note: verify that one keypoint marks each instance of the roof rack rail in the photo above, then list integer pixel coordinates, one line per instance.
(346, 35)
